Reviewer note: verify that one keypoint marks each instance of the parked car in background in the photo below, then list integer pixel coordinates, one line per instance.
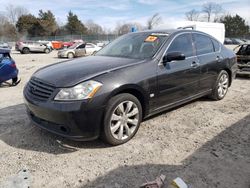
(47, 43)
(237, 41)
(92, 48)
(228, 41)
(246, 41)
(8, 69)
(26, 47)
(71, 43)
(102, 43)
(243, 59)
(76, 50)
(5, 45)
(136, 76)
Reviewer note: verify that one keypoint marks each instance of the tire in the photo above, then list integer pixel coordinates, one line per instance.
(124, 114)
(221, 86)
(47, 50)
(26, 51)
(15, 81)
(70, 55)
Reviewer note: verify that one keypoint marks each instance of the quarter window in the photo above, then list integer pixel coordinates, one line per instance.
(203, 44)
(216, 45)
(183, 44)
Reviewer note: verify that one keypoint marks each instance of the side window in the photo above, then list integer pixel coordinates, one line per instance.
(216, 45)
(203, 44)
(81, 46)
(183, 44)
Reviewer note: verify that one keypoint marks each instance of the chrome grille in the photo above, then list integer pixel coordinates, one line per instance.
(39, 90)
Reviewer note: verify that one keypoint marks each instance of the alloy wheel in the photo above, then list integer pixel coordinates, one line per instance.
(124, 120)
(223, 85)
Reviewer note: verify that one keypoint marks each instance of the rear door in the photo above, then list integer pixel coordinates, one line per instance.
(209, 56)
(178, 80)
(90, 49)
(80, 50)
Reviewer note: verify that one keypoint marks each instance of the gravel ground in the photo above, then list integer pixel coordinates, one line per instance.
(206, 143)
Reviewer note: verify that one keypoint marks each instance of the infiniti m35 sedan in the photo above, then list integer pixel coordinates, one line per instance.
(140, 74)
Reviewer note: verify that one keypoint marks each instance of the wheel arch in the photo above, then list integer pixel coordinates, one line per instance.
(72, 52)
(136, 91)
(229, 72)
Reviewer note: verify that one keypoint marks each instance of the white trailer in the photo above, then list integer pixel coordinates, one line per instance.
(217, 30)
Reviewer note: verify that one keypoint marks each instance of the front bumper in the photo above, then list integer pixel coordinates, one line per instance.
(74, 120)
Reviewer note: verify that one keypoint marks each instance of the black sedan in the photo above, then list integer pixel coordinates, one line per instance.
(134, 77)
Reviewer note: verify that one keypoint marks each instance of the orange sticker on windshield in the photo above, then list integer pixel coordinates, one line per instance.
(150, 38)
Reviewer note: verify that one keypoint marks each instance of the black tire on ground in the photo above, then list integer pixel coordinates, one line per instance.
(26, 50)
(47, 50)
(70, 55)
(15, 81)
(215, 92)
(110, 109)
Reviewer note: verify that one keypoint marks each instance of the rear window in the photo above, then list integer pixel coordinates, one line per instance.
(203, 44)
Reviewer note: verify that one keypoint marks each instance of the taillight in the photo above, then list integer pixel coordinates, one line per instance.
(13, 65)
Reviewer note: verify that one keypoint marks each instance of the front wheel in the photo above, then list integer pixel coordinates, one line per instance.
(122, 119)
(221, 86)
(70, 55)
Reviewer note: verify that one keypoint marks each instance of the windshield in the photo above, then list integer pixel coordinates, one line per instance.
(135, 45)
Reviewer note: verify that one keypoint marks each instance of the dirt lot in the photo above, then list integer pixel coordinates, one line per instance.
(206, 143)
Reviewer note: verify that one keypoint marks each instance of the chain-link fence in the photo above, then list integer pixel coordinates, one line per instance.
(86, 38)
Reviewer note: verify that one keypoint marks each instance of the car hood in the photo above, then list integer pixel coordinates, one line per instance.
(69, 73)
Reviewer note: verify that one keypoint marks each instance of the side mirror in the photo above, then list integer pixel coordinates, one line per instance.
(173, 56)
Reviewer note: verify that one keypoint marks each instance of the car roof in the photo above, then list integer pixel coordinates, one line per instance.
(170, 31)
(4, 50)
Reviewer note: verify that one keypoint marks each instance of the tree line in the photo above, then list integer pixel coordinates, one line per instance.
(17, 22)
(235, 26)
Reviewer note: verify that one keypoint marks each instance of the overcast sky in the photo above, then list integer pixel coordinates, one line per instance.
(108, 12)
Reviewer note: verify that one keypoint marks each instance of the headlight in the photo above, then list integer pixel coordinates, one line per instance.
(81, 91)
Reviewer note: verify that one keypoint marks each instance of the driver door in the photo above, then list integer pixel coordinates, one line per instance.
(178, 79)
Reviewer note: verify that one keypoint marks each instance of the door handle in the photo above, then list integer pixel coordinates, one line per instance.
(195, 64)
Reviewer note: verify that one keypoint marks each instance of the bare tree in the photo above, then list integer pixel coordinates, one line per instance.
(94, 28)
(153, 21)
(192, 15)
(123, 28)
(3, 19)
(15, 12)
(211, 8)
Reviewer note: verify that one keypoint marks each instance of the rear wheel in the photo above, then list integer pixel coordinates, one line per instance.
(47, 50)
(122, 119)
(26, 50)
(221, 86)
(70, 55)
